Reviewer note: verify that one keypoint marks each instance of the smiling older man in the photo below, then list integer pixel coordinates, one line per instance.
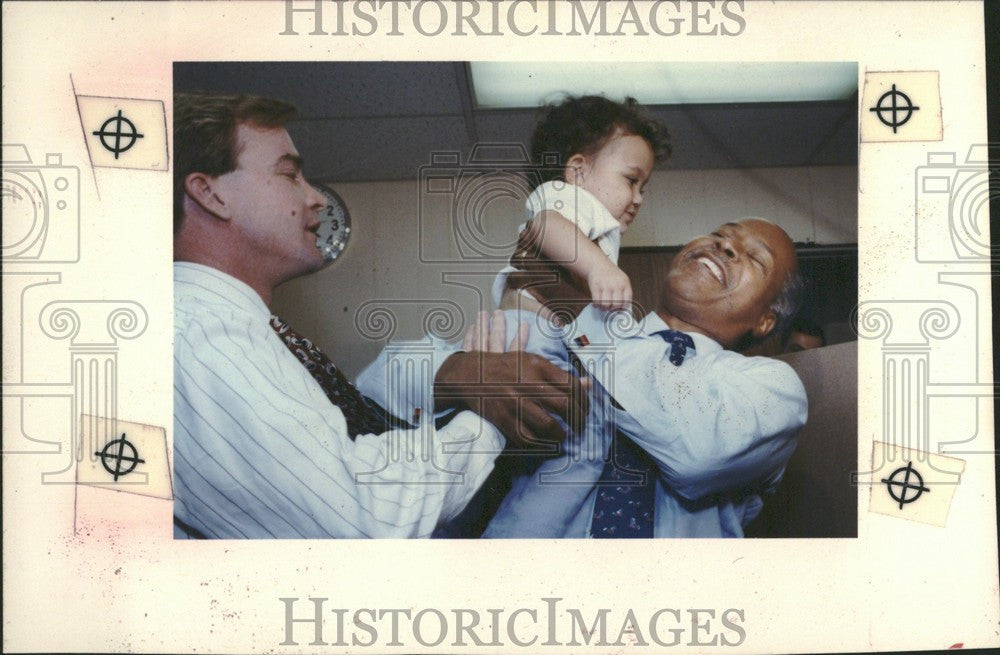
(684, 434)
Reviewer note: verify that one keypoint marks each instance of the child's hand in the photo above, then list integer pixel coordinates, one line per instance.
(609, 287)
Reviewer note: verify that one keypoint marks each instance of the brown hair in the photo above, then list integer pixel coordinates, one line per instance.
(584, 124)
(205, 134)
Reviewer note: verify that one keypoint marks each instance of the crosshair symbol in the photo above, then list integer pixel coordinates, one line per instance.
(119, 120)
(895, 109)
(891, 482)
(119, 457)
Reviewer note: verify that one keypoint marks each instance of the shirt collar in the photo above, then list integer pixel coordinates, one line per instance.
(201, 280)
(702, 344)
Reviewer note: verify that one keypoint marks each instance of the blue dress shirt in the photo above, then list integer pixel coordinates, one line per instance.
(720, 428)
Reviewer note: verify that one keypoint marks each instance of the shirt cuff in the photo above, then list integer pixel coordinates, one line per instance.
(401, 378)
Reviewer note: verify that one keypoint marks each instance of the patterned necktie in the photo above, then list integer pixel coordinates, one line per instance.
(679, 344)
(363, 415)
(626, 492)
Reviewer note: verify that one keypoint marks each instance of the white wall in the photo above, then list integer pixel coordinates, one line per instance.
(401, 238)
(813, 204)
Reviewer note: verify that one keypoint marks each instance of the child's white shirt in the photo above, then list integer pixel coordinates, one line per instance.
(576, 205)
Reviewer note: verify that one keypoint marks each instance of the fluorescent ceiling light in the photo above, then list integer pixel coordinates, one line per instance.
(522, 84)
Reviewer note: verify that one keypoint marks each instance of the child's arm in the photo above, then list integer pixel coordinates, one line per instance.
(562, 242)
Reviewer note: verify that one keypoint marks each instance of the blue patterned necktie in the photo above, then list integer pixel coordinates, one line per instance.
(626, 492)
(679, 344)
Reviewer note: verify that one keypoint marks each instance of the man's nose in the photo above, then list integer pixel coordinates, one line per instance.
(316, 199)
(726, 246)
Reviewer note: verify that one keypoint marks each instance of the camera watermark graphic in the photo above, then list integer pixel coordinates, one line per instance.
(952, 197)
(478, 195)
(41, 208)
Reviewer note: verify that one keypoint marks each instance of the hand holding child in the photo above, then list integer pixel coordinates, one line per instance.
(518, 392)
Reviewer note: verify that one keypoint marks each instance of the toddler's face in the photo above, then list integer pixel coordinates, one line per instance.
(616, 175)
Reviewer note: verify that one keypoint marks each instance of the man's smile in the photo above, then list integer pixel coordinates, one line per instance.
(714, 266)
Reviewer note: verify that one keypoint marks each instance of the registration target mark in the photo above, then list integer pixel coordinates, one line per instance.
(899, 108)
(124, 132)
(132, 457)
(905, 485)
(119, 132)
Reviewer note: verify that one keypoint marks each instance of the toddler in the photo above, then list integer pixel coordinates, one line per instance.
(606, 151)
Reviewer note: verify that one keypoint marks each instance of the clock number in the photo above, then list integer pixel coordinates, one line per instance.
(335, 224)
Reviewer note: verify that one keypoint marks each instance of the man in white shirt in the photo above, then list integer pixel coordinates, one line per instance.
(260, 448)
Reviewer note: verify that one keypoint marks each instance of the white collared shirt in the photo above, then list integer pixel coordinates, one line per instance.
(578, 206)
(260, 451)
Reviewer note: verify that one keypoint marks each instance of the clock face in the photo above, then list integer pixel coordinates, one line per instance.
(334, 225)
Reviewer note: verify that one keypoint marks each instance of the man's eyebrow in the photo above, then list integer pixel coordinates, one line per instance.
(295, 160)
(767, 248)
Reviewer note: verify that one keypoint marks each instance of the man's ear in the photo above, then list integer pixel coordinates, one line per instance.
(765, 325)
(573, 173)
(203, 190)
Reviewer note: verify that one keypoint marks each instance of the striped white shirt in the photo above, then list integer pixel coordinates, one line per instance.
(261, 452)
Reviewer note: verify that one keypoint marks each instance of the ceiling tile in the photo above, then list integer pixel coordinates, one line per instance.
(334, 89)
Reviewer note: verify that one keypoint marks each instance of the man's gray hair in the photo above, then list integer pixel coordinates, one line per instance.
(789, 299)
